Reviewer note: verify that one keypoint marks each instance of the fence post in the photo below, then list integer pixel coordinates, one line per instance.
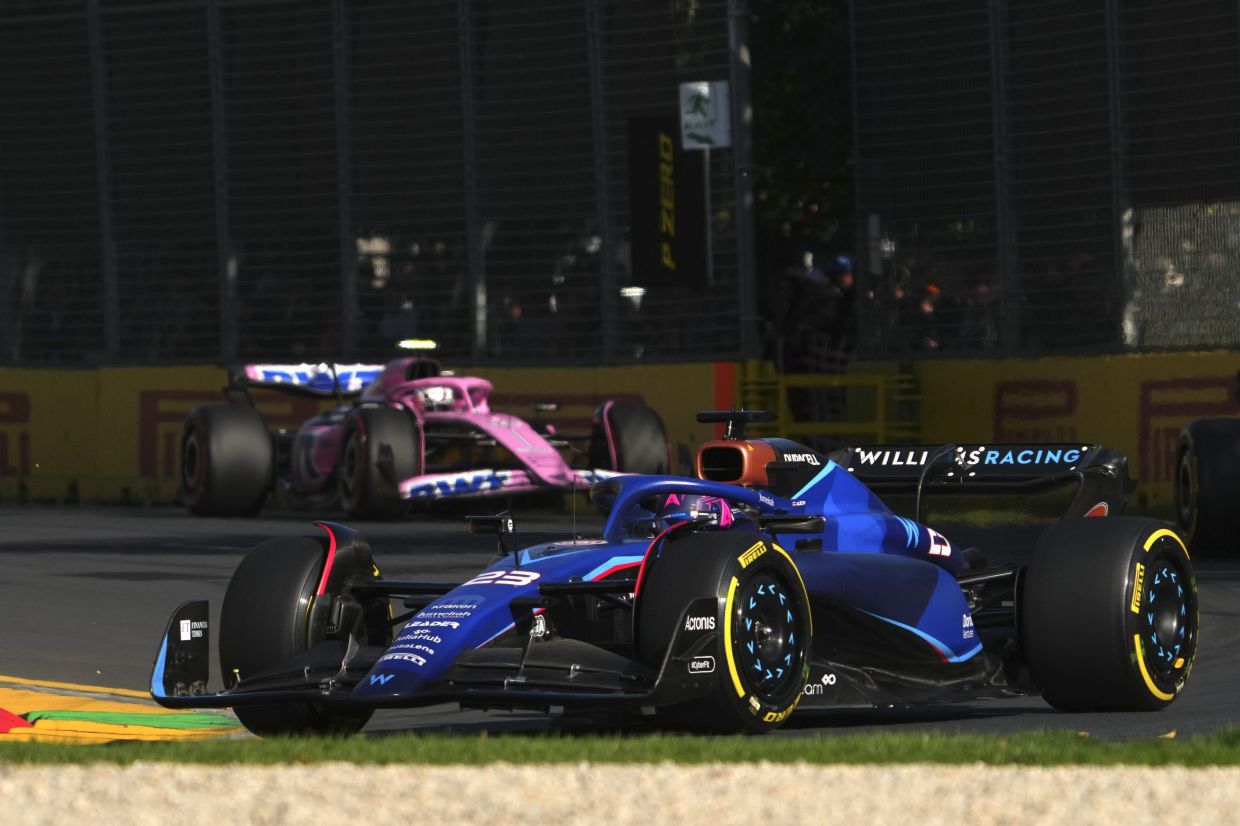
(880, 408)
(608, 296)
(1005, 241)
(8, 297)
(346, 259)
(740, 64)
(103, 177)
(1121, 236)
(226, 259)
(475, 251)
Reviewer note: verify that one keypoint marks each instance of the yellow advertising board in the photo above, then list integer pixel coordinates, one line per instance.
(676, 391)
(1136, 403)
(141, 414)
(48, 432)
(112, 434)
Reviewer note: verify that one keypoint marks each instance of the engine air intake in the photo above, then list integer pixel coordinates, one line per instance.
(724, 463)
(736, 462)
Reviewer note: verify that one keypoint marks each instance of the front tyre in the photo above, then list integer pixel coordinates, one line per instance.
(381, 448)
(266, 621)
(1108, 614)
(762, 619)
(227, 461)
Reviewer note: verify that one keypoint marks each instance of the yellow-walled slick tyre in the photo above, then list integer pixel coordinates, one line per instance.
(762, 623)
(1108, 614)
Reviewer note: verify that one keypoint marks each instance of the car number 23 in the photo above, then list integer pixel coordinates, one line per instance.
(514, 578)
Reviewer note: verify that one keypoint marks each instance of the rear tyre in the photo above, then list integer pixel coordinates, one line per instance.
(759, 609)
(1108, 614)
(1207, 487)
(629, 438)
(265, 621)
(380, 449)
(227, 461)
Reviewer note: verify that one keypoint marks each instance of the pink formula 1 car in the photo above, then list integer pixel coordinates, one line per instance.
(404, 431)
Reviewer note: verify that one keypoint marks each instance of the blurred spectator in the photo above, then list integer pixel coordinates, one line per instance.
(515, 333)
(842, 294)
(926, 327)
(979, 329)
(814, 330)
(810, 271)
(374, 294)
(401, 321)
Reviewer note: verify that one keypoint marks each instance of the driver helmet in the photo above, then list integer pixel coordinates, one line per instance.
(677, 508)
(436, 397)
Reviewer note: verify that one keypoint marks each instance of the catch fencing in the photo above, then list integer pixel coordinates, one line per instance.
(1048, 176)
(219, 180)
(191, 181)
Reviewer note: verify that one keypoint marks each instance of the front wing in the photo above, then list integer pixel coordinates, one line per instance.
(534, 674)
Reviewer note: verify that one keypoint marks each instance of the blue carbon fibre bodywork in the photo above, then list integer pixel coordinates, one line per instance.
(923, 599)
(479, 611)
(886, 566)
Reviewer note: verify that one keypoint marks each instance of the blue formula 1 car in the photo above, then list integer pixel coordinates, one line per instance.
(776, 581)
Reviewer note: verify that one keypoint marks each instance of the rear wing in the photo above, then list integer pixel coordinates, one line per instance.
(995, 468)
(325, 380)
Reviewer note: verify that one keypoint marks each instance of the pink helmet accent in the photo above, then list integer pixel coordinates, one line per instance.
(677, 508)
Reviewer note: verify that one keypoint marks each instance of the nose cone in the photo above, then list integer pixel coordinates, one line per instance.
(425, 649)
(391, 678)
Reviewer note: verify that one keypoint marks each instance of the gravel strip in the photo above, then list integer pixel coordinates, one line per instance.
(159, 794)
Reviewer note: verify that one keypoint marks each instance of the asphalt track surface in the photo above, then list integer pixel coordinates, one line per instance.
(85, 593)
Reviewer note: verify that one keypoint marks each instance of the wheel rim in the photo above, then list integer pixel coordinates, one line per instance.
(1186, 492)
(351, 467)
(193, 462)
(1168, 619)
(768, 636)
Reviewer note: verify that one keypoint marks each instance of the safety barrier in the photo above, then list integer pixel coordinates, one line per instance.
(1136, 403)
(870, 407)
(111, 434)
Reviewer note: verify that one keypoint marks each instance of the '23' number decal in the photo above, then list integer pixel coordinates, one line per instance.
(515, 578)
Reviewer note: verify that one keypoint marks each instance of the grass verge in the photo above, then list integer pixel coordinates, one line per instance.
(1028, 749)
